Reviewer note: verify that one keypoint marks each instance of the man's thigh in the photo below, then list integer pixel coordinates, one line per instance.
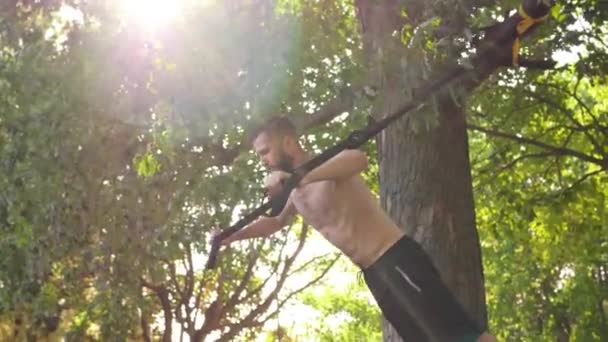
(412, 296)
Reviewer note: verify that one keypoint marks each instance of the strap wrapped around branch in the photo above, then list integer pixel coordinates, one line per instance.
(523, 26)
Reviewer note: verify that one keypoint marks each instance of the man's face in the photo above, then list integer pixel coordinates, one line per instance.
(272, 152)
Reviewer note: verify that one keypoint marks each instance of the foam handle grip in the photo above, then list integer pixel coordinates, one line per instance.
(279, 202)
(215, 248)
(217, 240)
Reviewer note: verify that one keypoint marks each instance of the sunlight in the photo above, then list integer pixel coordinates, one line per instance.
(150, 14)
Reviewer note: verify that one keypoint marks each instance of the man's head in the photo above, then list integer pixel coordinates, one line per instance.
(276, 142)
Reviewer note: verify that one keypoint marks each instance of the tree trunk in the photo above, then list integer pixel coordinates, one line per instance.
(426, 188)
(145, 327)
(425, 177)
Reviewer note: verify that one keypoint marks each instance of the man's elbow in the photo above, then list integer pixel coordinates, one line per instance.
(280, 221)
(360, 160)
(365, 162)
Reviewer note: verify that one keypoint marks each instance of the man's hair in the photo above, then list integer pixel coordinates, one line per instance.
(275, 126)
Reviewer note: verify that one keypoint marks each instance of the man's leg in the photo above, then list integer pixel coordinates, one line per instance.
(414, 299)
(486, 337)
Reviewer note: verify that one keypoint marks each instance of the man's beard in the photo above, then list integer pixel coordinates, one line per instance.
(285, 162)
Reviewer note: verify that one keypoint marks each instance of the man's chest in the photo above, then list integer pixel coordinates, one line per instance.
(316, 201)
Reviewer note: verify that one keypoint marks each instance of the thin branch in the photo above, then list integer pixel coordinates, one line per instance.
(253, 258)
(250, 318)
(145, 327)
(189, 279)
(513, 162)
(213, 313)
(558, 193)
(562, 151)
(343, 102)
(174, 279)
(201, 286)
(259, 288)
(579, 78)
(555, 164)
(578, 100)
(163, 296)
(570, 116)
(283, 247)
(302, 288)
(582, 179)
(509, 116)
(340, 104)
(570, 188)
(537, 64)
(310, 261)
(568, 138)
(301, 242)
(496, 173)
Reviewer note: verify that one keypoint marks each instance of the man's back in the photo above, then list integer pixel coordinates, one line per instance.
(349, 216)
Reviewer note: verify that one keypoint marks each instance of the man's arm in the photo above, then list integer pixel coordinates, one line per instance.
(342, 166)
(263, 226)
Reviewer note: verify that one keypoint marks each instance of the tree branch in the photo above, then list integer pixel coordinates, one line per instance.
(582, 179)
(310, 261)
(570, 117)
(580, 102)
(537, 64)
(561, 151)
(145, 327)
(174, 280)
(572, 186)
(515, 161)
(340, 104)
(250, 319)
(302, 288)
(343, 102)
(163, 296)
(253, 258)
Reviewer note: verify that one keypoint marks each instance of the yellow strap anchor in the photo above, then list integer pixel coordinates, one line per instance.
(523, 26)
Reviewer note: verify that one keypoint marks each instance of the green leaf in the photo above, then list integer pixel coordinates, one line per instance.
(146, 164)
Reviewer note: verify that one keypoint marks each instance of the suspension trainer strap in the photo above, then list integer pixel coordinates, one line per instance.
(527, 21)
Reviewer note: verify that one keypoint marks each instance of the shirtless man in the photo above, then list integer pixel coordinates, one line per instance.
(334, 199)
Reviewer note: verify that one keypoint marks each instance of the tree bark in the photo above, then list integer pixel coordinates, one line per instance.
(425, 178)
(426, 188)
(145, 328)
(163, 296)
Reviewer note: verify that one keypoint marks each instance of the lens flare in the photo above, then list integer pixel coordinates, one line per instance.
(150, 14)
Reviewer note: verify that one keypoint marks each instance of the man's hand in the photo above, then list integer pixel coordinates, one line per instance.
(274, 182)
(279, 186)
(216, 237)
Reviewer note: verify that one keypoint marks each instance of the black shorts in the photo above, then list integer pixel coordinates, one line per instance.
(414, 299)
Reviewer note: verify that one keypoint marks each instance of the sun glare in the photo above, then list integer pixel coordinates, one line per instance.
(150, 14)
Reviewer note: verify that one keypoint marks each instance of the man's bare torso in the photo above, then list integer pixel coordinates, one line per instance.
(349, 216)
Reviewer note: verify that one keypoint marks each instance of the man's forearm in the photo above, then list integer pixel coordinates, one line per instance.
(345, 164)
(263, 227)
